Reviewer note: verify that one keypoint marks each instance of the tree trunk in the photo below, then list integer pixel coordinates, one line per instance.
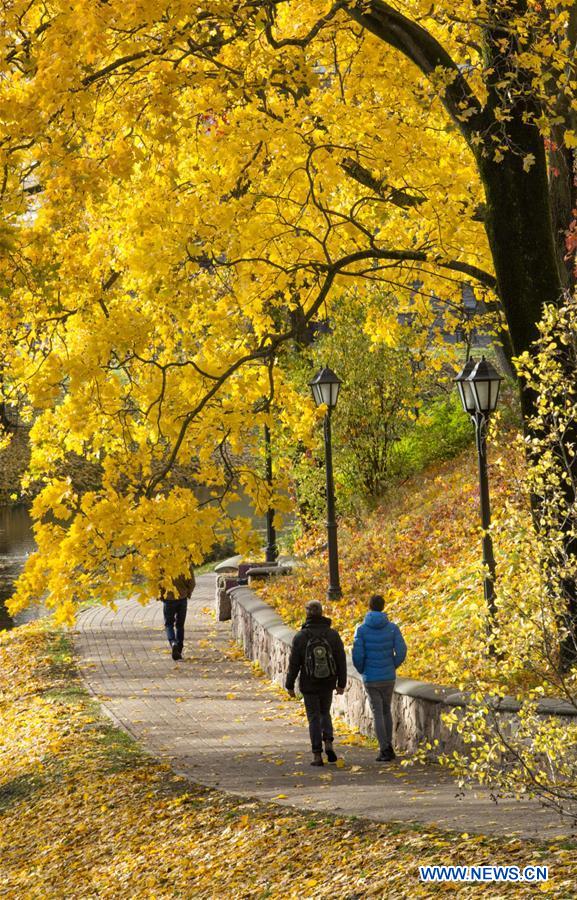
(520, 231)
(524, 215)
(525, 250)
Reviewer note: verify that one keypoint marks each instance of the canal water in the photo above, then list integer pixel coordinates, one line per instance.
(16, 544)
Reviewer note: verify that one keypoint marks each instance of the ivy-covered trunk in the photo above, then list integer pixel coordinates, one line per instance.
(522, 234)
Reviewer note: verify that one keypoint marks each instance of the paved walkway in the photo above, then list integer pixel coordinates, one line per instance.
(221, 725)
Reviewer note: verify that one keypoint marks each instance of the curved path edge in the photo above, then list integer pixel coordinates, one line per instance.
(215, 721)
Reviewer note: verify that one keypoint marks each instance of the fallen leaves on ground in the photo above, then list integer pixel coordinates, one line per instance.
(85, 814)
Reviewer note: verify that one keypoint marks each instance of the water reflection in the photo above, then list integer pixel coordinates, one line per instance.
(16, 544)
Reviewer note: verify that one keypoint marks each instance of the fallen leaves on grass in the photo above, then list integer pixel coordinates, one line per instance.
(84, 813)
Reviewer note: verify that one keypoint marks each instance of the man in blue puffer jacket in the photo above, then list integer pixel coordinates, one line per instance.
(378, 651)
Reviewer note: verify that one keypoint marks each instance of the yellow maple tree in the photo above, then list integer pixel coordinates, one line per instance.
(184, 191)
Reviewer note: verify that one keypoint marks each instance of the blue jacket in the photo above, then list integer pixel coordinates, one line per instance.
(379, 648)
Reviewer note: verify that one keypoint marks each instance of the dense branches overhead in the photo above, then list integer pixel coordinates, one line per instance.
(184, 189)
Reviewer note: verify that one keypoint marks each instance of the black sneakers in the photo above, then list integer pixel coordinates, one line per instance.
(176, 652)
(331, 755)
(387, 755)
(317, 759)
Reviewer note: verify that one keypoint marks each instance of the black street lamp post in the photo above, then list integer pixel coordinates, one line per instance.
(325, 387)
(271, 549)
(478, 385)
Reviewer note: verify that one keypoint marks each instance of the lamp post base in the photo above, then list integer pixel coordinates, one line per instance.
(334, 593)
(271, 553)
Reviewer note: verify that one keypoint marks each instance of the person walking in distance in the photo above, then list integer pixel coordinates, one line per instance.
(378, 651)
(175, 604)
(318, 659)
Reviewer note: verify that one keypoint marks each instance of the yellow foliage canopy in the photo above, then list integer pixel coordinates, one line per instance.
(184, 189)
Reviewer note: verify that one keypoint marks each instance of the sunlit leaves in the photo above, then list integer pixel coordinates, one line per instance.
(185, 190)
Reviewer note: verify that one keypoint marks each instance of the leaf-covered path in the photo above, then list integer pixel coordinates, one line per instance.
(221, 725)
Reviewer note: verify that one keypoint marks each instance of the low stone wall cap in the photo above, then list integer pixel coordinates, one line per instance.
(229, 565)
(269, 570)
(423, 690)
(554, 707)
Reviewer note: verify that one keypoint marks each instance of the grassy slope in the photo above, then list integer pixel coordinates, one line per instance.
(421, 549)
(84, 813)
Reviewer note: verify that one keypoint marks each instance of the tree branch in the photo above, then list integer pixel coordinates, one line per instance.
(464, 268)
(425, 51)
(267, 349)
(397, 196)
(116, 64)
(306, 39)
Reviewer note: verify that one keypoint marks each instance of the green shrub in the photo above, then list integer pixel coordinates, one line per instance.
(442, 431)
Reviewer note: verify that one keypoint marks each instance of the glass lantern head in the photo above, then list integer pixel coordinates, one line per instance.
(485, 382)
(325, 387)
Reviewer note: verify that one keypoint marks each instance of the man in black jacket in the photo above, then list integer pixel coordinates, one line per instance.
(318, 654)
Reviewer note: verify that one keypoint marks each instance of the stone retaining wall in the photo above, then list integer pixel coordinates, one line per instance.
(417, 706)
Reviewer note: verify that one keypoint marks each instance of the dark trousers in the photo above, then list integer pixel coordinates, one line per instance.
(318, 708)
(380, 695)
(174, 618)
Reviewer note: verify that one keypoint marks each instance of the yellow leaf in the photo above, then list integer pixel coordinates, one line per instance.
(528, 161)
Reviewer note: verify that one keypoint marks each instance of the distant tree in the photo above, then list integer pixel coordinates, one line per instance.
(377, 401)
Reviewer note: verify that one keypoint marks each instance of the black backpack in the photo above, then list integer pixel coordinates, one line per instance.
(319, 660)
